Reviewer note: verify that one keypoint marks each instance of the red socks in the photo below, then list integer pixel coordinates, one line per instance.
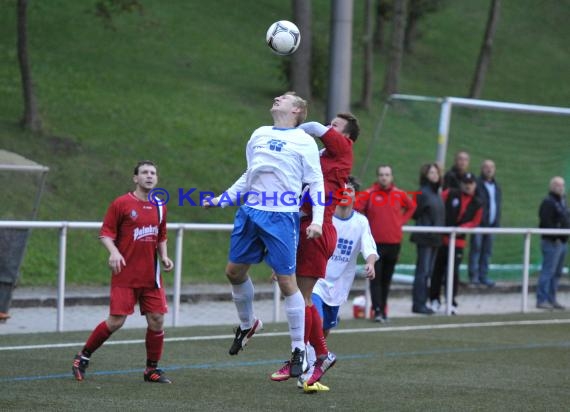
(317, 338)
(154, 343)
(314, 330)
(99, 335)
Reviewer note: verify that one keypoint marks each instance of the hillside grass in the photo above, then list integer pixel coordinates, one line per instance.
(185, 83)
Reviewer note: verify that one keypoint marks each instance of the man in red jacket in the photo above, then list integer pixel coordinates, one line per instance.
(462, 209)
(387, 209)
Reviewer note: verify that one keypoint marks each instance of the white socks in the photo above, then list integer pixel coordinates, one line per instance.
(295, 310)
(242, 296)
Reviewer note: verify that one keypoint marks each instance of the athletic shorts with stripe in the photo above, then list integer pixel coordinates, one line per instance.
(260, 234)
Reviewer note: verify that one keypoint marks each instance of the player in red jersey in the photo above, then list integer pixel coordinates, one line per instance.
(134, 233)
(313, 254)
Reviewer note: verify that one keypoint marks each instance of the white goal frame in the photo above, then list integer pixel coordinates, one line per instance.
(447, 104)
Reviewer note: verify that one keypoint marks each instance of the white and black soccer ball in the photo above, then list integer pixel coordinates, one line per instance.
(283, 37)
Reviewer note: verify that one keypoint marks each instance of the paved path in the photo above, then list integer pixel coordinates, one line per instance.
(209, 305)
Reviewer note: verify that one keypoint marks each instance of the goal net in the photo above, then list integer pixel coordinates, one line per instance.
(529, 144)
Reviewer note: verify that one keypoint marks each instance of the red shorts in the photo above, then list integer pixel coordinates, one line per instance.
(313, 254)
(150, 300)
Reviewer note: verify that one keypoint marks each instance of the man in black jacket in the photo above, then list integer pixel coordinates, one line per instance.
(462, 209)
(553, 214)
(489, 192)
(453, 176)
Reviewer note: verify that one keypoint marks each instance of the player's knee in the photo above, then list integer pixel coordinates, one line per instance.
(115, 322)
(155, 321)
(235, 274)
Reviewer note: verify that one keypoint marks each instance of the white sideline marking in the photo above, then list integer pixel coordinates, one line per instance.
(273, 334)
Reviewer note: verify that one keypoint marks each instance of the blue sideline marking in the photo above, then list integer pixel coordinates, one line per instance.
(213, 365)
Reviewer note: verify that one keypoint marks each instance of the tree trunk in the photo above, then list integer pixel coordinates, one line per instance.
(411, 33)
(301, 59)
(380, 20)
(31, 119)
(396, 48)
(485, 52)
(366, 98)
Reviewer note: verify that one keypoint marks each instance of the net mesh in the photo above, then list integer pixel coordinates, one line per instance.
(528, 149)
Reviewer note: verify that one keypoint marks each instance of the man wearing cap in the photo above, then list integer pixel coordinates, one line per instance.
(462, 209)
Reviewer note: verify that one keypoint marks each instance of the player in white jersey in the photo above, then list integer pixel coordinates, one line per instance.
(353, 237)
(279, 159)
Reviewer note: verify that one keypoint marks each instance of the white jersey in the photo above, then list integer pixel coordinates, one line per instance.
(353, 236)
(278, 162)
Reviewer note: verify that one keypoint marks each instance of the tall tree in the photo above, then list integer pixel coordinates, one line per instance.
(301, 59)
(382, 16)
(368, 43)
(418, 9)
(486, 49)
(396, 53)
(31, 119)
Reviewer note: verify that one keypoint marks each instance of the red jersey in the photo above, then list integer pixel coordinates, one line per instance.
(336, 164)
(465, 200)
(136, 228)
(387, 211)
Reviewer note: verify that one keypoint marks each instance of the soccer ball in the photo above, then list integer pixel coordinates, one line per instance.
(283, 37)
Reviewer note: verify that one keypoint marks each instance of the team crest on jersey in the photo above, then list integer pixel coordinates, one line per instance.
(345, 246)
(276, 144)
(134, 214)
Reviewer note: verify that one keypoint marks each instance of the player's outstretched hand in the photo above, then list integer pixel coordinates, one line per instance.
(167, 264)
(314, 231)
(210, 202)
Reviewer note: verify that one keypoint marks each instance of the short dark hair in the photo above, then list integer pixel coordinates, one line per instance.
(352, 128)
(353, 181)
(143, 163)
(384, 165)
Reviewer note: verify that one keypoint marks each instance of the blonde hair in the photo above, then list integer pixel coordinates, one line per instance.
(301, 104)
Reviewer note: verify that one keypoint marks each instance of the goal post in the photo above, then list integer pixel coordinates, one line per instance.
(529, 144)
(448, 103)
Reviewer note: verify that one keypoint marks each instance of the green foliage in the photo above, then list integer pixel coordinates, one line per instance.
(185, 83)
(107, 9)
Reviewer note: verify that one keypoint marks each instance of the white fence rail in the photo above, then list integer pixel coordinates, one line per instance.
(180, 228)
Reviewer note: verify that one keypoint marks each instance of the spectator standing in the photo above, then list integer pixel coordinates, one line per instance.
(481, 246)
(462, 209)
(430, 211)
(387, 208)
(452, 178)
(553, 214)
(134, 234)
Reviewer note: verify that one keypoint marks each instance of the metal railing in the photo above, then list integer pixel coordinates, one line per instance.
(180, 228)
